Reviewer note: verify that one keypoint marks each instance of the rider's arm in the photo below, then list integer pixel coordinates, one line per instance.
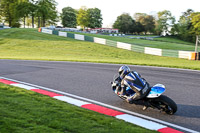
(123, 88)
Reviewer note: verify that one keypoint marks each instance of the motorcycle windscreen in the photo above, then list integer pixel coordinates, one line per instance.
(156, 91)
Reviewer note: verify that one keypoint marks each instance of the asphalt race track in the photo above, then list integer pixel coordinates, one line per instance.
(91, 80)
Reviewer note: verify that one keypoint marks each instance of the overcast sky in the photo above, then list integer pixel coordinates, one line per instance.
(110, 9)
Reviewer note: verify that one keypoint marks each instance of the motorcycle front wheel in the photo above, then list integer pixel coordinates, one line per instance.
(165, 104)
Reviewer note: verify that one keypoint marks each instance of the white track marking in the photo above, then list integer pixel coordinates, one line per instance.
(24, 86)
(141, 122)
(71, 100)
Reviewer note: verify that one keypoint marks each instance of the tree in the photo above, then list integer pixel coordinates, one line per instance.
(1, 19)
(165, 21)
(195, 20)
(82, 17)
(138, 16)
(139, 28)
(68, 17)
(183, 28)
(32, 11)
(23, 11)
(147, 21)
(8, 11)
(46, 10)
(95, 18)
(13, 10)
(28, 21)
(124, 23)
(149, 24)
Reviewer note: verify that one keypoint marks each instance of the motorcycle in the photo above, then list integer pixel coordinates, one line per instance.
(153, 98)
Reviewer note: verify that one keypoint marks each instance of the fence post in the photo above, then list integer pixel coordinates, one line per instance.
(196, 47)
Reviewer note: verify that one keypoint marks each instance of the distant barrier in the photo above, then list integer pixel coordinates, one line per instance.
(147, 50)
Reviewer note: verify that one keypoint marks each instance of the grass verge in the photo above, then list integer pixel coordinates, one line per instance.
(30, 112)
(28, 44)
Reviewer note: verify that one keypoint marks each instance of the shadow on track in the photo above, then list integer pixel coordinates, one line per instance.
(188, 111)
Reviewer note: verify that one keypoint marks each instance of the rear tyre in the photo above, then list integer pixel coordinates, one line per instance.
(165, 104)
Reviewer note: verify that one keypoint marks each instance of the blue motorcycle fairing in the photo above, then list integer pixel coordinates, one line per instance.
(156, 91)
(129, 91)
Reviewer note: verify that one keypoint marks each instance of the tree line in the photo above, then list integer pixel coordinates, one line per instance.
(84, 17)
(41, 12)
(187, 27)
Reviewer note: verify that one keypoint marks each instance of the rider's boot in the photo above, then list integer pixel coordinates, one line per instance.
(146, 105)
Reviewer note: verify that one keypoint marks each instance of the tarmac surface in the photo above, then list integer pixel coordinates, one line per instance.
(92, 80)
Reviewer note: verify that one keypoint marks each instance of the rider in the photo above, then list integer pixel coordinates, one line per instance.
(131, 80)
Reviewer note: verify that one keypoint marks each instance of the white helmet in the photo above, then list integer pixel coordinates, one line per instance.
(123, 71)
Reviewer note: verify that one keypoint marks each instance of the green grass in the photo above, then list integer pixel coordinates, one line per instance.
(167, 43)
(173, 40)
(168, 39)
(141, 35)
(28, 44)
(23, 111)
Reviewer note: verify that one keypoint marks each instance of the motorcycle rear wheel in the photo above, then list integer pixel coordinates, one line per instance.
(165, 104)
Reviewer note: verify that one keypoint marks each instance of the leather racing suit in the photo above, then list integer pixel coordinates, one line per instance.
(132, 87)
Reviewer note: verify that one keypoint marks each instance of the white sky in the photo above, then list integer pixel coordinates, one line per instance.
(110, 9)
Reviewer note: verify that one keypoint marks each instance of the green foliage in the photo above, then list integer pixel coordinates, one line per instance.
(1, 19)
(184, 27)
(142, 23)
(47, 11)
(195, 20)
(82, 17)
(165, 19)
(95, 18)
(68, 17)
(139, 28)
(147, 22)
(9, 12)
(138, 16)
(86, 18)
(32, 11)
(23, 10)
(13, 10)
(124, 23)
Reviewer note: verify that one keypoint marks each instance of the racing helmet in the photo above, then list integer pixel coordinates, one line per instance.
(123, 71)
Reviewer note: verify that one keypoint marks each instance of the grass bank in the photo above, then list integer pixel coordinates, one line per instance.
(28, 44)
(23, 111)
(162, 43)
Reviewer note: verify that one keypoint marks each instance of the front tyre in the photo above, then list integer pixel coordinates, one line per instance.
(165, 104)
